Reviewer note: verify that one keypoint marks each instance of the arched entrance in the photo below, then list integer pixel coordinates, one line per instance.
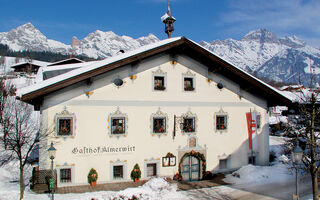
(190, 168)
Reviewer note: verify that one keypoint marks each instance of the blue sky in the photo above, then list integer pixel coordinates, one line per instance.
(196, 19)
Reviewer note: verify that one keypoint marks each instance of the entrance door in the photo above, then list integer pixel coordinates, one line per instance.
(190, 168)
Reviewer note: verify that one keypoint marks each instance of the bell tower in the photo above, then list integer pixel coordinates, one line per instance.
(168, 20)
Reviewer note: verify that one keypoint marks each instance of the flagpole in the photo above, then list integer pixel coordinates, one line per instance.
(251, 137)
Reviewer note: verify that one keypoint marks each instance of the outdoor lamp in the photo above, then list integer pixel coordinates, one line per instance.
(52, 155)
(296, 158)
(297, 153)
(52, 151)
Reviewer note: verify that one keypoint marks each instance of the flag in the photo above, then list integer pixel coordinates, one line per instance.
(252, 130)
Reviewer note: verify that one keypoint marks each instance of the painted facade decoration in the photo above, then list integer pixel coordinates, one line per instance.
(165, 108)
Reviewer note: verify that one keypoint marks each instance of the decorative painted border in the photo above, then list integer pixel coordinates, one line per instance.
(151, 161)
(159, 72)
(117, 114)
(189, 114)
(65, 114)
(159, 114)
(189, 74)
(218, 114)
(116, 163)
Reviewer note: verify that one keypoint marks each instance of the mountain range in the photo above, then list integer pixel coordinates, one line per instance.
(260, 52)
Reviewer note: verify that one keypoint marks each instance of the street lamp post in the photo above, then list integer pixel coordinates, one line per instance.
(297, 154)
(52, 154)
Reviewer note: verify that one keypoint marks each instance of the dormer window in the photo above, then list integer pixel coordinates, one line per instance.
(188, 84)
(159, 83)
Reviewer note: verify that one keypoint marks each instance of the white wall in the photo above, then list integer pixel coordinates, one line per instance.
(137, 99)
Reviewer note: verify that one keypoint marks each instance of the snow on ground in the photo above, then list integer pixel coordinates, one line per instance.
(156, 188)
(258, 175)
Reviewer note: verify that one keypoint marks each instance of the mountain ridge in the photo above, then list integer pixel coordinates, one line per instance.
(259, 51)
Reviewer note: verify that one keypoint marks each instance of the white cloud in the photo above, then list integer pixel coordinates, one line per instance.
(280, 16)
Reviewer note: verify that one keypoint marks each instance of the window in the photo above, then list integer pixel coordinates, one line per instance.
(118, 169)
(65, 175)
(64, 126)
(65, 123)
(258, 121)
(188, 124)
(159, 83)
(221, 122)
(188, 84)
(118, 172)
(223, 163)
(151, 169)
(118, 125)
(159, 125)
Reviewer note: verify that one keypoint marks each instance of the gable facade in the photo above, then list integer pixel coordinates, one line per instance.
(112, 127)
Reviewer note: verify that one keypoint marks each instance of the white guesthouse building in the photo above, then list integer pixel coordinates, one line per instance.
(172, 98)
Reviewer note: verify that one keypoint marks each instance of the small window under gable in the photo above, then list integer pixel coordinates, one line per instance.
(188, 81)
(159, 80)
(221, 121)
(65, 123)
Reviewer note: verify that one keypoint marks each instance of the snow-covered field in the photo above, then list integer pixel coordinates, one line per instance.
(156, 188)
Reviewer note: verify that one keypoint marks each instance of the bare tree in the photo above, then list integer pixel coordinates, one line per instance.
(19, 130)
(305, 127)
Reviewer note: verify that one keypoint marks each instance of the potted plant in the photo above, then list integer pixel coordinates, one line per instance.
(92, 177)
(136, 173)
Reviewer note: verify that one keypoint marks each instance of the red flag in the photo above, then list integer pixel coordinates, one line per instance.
(249, 123)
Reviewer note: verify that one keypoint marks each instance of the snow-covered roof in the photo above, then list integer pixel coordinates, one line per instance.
(273, 95)
(33, 62)
(74, 60)
(91, 66)
(166, 16)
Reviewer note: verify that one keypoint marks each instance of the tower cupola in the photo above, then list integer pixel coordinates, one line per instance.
(168, 20)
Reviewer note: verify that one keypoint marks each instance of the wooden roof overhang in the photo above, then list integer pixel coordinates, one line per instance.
(181, 46)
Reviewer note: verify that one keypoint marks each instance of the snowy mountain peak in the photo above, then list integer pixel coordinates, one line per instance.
(98, 44)
(262, 36)
(292, 41)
